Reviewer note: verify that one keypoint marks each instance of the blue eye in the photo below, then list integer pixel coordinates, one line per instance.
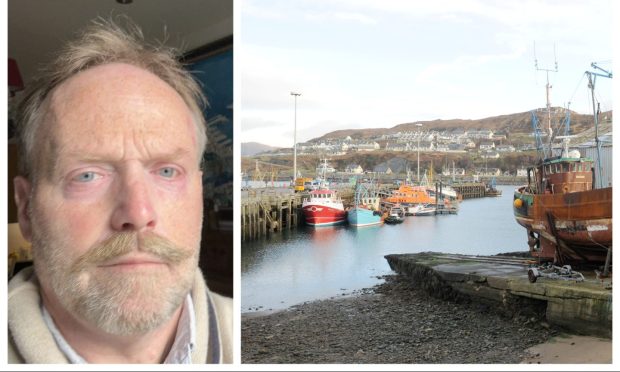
(85, 177)
(167, 172)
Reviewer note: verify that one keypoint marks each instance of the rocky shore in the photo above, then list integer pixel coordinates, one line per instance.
(393, 322)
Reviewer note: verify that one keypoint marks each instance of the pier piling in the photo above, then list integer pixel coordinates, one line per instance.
(267, 213)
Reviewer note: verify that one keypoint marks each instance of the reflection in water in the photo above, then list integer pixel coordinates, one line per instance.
(323, 235)
(322, 241)
(311, 263)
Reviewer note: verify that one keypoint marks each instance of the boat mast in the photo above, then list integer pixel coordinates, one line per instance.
(591, 84)
(548, 94)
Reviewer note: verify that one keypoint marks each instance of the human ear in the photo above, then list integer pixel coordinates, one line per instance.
(23, 188)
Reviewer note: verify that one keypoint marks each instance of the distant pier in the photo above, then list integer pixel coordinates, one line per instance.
(470, 190)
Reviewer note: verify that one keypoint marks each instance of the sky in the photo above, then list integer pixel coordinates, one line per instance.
(379, 63)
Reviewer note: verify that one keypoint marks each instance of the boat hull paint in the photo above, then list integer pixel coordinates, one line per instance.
(360, 217)
(425, 211)
(576, 226)
(319, 215)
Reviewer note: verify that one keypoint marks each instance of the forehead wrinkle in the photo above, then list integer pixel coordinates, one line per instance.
(94, 157)
(67, 102)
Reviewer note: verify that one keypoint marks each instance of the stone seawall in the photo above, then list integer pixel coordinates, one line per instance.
(583, 308)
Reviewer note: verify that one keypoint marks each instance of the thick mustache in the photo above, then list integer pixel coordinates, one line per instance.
(123, 243)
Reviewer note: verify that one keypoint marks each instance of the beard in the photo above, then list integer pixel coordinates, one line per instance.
(123, 302)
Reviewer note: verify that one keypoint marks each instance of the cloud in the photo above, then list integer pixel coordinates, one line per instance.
(254, 122)
(273, 132)
(258, 10)
(341, 16)
(464, 63)
(438, 59)
(506, 12)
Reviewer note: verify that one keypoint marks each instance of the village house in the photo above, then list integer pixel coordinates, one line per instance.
(480, 134)
(486, 146)
(442, 147)
(521, 172)
(397, 147)
(489, 172)
(368, 146)
(382, 169)
(354, 168)
(451, 172)
(505, 148)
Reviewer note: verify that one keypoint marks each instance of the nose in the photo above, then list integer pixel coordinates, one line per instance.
(134, 209)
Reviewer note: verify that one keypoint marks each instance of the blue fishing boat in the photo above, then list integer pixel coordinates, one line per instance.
(365, 210)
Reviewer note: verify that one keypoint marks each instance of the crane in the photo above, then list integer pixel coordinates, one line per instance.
(259, 175)
(591, 84)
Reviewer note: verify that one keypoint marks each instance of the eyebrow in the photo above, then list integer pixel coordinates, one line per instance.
(53, 162)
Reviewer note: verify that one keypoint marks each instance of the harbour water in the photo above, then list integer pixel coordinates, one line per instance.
(314, 263)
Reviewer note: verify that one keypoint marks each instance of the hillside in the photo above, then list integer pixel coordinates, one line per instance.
(512, 123)
(253, 148)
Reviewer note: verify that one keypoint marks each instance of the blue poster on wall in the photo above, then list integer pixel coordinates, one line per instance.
(215, 74)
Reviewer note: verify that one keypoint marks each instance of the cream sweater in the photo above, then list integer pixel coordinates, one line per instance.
(30, 341)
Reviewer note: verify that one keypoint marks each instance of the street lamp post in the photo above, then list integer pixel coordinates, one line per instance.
(418, 125)
(295, 139)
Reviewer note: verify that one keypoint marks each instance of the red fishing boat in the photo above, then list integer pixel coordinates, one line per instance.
(323, 207)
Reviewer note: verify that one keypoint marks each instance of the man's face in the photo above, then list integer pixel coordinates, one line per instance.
(116, 210)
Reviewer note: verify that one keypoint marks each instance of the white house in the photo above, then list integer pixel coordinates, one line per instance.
(505, 148)
(449, 171)
(325, 168)
(354, 168)
(483, 133)
(489, 172)
(368, 146)
(399, 147)
(442, 147)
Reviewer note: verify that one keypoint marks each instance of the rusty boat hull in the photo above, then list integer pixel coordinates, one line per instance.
(573, 227)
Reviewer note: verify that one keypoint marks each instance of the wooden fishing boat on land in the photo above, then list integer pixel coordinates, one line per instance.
(566, 212)
(567, 221)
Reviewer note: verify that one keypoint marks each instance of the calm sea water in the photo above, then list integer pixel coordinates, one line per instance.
(315, 263)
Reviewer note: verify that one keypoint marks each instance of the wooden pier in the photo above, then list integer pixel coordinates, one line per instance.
(267, 213)
(264, 212)
(470, 190)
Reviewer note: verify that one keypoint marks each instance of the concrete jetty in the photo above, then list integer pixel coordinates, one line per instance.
(583, 307)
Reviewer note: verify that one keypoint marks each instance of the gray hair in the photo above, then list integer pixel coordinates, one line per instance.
(105, 41)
